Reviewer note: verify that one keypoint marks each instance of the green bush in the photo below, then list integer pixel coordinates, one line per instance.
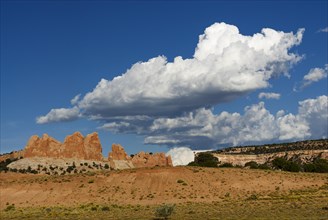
(226, 165)
(264, 167)
(318, 166)
(252, 164)
(292, 167)
(105, 208)
(10, 207)
(279, 163)
(252, 197)
(164, 211)
(283, 164)
(204, 160)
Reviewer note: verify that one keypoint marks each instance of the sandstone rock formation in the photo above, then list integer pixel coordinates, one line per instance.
(120, 160)
(74, 146)
(304, 156)
(143, 159)
(80, 149)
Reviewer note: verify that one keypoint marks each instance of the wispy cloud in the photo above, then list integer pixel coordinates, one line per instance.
(323, 29)
(269, 95)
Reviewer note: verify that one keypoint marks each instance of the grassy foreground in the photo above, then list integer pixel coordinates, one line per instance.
(302, 204)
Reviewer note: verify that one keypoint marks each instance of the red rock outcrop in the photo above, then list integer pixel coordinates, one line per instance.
(119, 159)
(74, 146)
(118, 153)
(143, 159)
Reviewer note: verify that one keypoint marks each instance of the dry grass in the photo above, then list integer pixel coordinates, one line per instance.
(198, 193)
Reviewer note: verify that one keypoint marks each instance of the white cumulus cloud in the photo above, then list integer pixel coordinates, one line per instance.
(60, 114)
(75, 100)
(202, 128)
(225, 66)
(314, 75)
(269, 95)
(181, 155)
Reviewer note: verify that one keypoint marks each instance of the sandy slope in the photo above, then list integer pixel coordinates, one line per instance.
(151, 186)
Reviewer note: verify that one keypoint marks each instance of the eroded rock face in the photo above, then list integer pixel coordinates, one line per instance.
(304, 156)
(118, 153)
(119, 159)
(45, 146)
(74, 146)
(143, 159)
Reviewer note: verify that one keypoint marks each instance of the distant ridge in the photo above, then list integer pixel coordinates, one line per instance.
(319, 144)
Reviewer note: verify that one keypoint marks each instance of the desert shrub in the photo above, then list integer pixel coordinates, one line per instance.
(164, 211)
(34, 171)
(91, 181)
(263, 167)
(283, 164)
(292, 167)
(279, 163)
(318, 166)
(226, 165)
(180, 181)
(252, 197)
(105, 208)
(193, 163)
(94, 208)
(70, 169)
(3, 164)
(106, 166)
(205, 160)
(10, 207)
(252, 165)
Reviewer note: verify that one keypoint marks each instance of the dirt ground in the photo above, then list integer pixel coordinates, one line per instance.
(175, 185)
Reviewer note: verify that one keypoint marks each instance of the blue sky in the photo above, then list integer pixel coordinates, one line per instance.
(54, 50)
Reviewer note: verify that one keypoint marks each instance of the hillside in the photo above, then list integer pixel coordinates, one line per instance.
(321, 144)
(301, 152)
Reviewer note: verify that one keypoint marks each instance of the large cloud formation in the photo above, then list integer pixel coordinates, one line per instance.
(257, 124)
(170, 103)
(225, 65)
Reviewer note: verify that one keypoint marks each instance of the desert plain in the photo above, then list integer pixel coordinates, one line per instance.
(195, 192)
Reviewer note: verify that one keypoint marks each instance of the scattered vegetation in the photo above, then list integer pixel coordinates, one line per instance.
(10, 207)
(164, 211)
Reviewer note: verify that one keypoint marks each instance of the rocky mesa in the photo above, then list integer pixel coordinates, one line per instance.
(301, 151)
(76, 152)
